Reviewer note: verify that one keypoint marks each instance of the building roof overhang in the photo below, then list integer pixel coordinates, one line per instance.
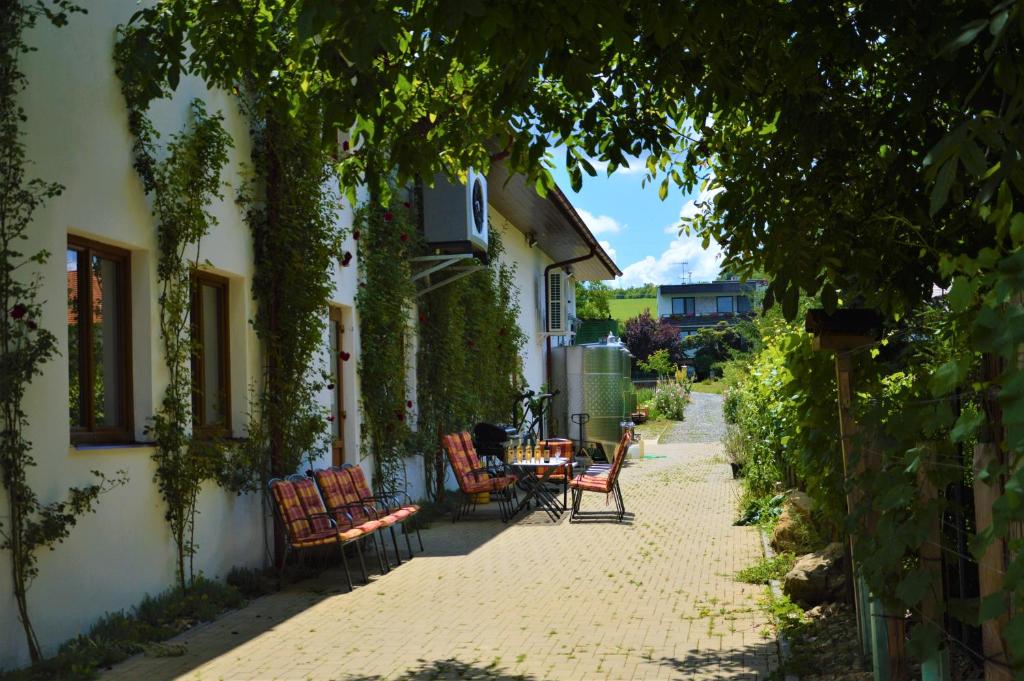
(729, 286)
(552, 221)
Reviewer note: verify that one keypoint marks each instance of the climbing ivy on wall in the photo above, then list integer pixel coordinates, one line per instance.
(25, 345)
(468, 368)
(386, 239)
(182, 185)
(292, 218)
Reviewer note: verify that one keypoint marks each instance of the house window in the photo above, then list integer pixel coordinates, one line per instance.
(742, 304)
(725, 305)
(99, 343)
(211, 388)
(683, 306)
(337, 331)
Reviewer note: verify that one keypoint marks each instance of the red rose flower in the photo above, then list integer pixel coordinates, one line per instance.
(344, 145)
(400, 416)
(404, 238)
(331, 418)
(344, 356)
(407, 204)
(19, 311)
(346, 259)
(408, 403)
(355, 235)
(32, 325)
(388, 216)
(330, 386)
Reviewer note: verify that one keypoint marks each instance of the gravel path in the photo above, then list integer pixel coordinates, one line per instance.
(703, 421)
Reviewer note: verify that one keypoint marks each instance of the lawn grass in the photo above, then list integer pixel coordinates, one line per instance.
(715, 387)
(623, 309)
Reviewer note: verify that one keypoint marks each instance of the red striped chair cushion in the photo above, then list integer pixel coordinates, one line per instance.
(294, 516)
(313, 505)
(592, 483)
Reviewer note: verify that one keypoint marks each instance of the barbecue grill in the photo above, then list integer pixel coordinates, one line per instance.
(490, 438)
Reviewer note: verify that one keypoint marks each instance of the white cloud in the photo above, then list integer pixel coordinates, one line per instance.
(607, 246)
(668, 268)
(600, 224)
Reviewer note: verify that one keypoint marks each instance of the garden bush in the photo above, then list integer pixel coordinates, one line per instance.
(670, 399)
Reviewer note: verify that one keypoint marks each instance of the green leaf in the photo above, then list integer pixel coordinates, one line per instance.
(967, 34)
(948, 376)
(966, 425)
(992, 606)
(663, 189)
(943, 182)
(829, 298)
(914, 587)
(1017, 228)
(790, 302)
(961, 293)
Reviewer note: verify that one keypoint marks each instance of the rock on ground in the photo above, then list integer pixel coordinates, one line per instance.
(818, 577)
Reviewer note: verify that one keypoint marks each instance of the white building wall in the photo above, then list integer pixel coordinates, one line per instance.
(530, 262)
(124, 551)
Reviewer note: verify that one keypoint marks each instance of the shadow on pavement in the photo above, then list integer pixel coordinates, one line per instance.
(449, 669)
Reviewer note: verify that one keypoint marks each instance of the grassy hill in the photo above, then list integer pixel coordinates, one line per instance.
(627, 308)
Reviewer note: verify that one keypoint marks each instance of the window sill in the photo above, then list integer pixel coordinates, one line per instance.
(118, 447)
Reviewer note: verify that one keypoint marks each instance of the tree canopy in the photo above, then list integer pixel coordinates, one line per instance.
(815, 119)
(592, 300)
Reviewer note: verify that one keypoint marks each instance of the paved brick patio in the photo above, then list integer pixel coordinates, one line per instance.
(650, 599)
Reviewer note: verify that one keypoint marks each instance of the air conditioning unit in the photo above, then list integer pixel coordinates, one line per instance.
(557, 307)
(455, 215)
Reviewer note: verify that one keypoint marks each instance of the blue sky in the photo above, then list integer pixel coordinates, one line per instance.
(638, 229)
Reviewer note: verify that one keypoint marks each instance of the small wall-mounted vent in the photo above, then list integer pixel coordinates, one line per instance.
(557, 307)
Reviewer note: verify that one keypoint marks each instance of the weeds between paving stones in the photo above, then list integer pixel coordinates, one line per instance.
(767, 569)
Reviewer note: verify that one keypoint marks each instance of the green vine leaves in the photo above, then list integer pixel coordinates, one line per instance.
(182, 185)
(25, 345)
(385, 301)
(464, 325)
(291, 210)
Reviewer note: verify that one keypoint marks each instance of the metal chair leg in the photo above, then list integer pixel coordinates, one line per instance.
(381, 555)
(419, 537)
(408, 544)
(280, 569)
(362, 563)
(344, 563)
(394, 540)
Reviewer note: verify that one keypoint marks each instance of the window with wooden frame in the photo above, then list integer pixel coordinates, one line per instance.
(99, 342)
(336, 330)
(211, 375)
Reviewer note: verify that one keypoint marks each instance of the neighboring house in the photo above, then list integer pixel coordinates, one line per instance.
(690, 307)
(89, 408)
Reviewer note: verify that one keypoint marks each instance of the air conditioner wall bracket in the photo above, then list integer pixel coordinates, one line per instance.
(439, 263)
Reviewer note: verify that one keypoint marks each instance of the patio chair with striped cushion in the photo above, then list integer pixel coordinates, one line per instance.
(306, 523)
(389, 503)
(604, 482)
(333, 483)
(473, 478)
